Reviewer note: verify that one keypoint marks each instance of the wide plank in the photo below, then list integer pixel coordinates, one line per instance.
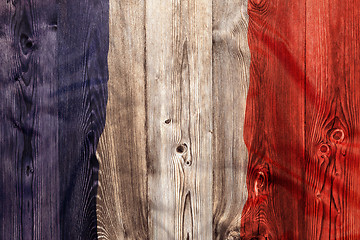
(302, 121)
(29, 172)
(179, 119)
(122, 195)
(53, 80)
(332, 117)
(275, 121)
(83, 42)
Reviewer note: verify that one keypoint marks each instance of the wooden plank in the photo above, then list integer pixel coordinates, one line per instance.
(179, 96)
(303, 174)
(332, 116)
(231, 60)
(320, 116)
(82, 96)
(275, 121)
(29, 184)
(122, 198)
(53, 84)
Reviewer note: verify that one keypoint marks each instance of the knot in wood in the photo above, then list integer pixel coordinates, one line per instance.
(337, 136)
(29, 170)
(188, 162)
(182, 148)
(260, 182)
(318, 195)
(324, 150)
(26, 43)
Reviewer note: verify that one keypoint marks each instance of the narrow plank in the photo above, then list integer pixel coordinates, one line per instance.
(231, 60)
(332, 114)
(319, 167)
(82, 96)
(45, 166)
(347, 226)
(179, 107)
(29, 184)
(274, 121)
(12, 138)
(122, 198)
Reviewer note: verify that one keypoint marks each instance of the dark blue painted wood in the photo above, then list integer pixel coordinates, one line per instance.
(53, 94)
(82, 93)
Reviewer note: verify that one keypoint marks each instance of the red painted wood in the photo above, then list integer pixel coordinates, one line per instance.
(302, 120)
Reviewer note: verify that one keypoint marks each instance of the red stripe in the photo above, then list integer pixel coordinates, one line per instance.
(302, 116)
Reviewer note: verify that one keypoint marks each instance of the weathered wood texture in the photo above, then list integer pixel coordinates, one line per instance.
(172, 158)
(274, 122)
(302, 121)
(332, 120)
(29, 197)
(231, 59)
(53, 84)
(122, 199)
(82, 95)
(179, 90)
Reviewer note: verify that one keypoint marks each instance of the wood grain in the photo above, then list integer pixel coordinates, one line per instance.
(82, 96)
(275, 122)
(332, 162)
(53, 83)
(231, 59)
(179, 107)
(302, 121)
(29, 184)
(122, 199)
(172, 163)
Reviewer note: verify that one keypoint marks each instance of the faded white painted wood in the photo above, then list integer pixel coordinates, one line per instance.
(172, 157)
(179, 107)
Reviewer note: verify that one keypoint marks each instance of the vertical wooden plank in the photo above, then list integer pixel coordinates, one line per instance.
(179, 107)
(332, 114)
(347, 181)
(12, 138)
(82, 95)
(319, 115)
(231, 60)
(53, 84)
(29, 184)
(45, 166)
(275, 121)
(122, 197)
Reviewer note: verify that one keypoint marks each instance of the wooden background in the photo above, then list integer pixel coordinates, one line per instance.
(145, 119)
(302, 121)
(172, 157)
(53, 85)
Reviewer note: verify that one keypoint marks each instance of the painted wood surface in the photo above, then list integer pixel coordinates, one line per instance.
(332, 117)
(172, 156)
(29, 182)
(53, 83)
(172, 159)
(301, 125)
(82, 96)
(274, 122)
(179, 90)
